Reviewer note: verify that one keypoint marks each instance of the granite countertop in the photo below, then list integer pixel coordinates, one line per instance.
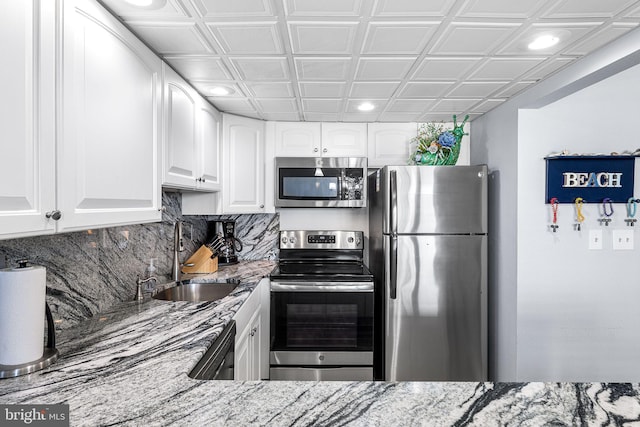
(129, 366)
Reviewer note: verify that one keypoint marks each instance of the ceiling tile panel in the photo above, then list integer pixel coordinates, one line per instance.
(172, 38)
(266, 68)
(417, 106)
(491, 9)
(547, 68)
(322, 37)
(233, 8)
(437, 68)
(199, 68)
(322, 105)
(600, 38)
(244, 37)
(277, 105)
(323, 8)
(383, 68)
(282, 117)
(360, 117)
(322, 89)
(514, 89)
(322, 68)
(501, 69)
(567, 32)
(412, 7)
(456, 105)
(476, 89)
(425, 89)
(398, 37)
(400, 118)
(373, 89)
(270, 90)
(463, 38)
(587, 8)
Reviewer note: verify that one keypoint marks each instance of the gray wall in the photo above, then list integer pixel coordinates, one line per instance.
(496, 141)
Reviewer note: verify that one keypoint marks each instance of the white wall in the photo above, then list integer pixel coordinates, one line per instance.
(496, 142)
(577, 308)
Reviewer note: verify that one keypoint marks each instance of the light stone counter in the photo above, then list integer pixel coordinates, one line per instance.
(129, 366)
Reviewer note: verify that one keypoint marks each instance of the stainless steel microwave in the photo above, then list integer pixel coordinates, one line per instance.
(321, 182)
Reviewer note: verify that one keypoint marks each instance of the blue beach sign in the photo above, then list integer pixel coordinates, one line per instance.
(594, 178)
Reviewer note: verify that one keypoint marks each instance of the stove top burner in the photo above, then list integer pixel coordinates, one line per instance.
(327, 271)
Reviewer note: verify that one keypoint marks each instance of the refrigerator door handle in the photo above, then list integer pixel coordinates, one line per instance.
(393, 250)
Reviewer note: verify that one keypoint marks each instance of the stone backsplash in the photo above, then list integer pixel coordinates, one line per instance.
(90, 271)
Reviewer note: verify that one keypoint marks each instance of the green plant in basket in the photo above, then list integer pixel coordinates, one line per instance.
(436, 145)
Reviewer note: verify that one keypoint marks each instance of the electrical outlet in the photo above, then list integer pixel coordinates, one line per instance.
(622, 240)
(595, 239)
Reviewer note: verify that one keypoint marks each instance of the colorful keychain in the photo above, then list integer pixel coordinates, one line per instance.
(579, 216)
(631, 211)
(554, 209)
(607, 214)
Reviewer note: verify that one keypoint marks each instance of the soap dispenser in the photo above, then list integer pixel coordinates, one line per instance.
(151, 269)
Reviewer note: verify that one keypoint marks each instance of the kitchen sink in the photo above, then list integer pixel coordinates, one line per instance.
(198, 291)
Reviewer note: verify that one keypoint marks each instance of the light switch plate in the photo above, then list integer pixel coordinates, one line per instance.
(622, 240)
(595, 239)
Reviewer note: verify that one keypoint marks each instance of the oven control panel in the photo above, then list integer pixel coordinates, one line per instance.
(338, 239)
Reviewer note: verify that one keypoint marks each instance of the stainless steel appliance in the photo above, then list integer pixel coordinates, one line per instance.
(217, 362)
(321, 182)
(321, 308)
(428, 254)
(223, 240)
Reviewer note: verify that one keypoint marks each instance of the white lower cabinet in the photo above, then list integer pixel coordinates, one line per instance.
(251, 344)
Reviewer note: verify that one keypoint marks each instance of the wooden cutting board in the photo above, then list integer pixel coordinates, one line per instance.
(202, 262)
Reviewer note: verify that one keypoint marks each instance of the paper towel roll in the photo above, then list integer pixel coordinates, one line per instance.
(22, 300)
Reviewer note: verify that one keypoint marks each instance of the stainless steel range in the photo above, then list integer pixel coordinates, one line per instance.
(321, 308)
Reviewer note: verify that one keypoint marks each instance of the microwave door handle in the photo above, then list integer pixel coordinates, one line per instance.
(393, 249)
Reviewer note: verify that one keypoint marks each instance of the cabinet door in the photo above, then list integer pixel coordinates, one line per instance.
(344, 139)
(27, 157)
(254, 347)
(242, 362)
(180, 139)
(108, 171)
(243, 167)
(295, 139)
(209, 120)
(389, 143)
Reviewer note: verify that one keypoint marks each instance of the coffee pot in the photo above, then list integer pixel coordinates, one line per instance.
(222, 235)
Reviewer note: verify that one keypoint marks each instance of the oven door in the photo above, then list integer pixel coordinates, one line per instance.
(324, 333)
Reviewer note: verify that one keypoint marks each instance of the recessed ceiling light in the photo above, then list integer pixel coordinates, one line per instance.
(543, 42)
(366, 106)
(140, 3)
(220, 91)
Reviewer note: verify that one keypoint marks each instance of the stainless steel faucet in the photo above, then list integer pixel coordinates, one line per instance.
(178, 246)
(139, 282)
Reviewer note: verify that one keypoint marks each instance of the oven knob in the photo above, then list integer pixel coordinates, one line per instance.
(350, 239)
(321, 357)
(292, 239)
(284, 240)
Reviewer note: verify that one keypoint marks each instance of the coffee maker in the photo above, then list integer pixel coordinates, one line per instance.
(222, 235)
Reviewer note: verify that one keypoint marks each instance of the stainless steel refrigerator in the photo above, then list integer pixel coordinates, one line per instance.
(428, 254)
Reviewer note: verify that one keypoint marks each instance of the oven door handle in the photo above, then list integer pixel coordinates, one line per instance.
(321, 286)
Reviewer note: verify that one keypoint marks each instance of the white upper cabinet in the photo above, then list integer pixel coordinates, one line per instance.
(296, 139)
(27, 113)
(344, 139)
(243, 167)
(209, 122)
(180, 139)
(109, 134)
(389, 143)
(191, 137)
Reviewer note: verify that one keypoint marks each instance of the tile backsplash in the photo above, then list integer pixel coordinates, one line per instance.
(91, 271)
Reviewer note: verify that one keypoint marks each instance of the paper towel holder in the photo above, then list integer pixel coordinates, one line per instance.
(49, 355)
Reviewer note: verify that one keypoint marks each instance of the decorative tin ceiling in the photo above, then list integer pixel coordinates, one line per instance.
(414, 60)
